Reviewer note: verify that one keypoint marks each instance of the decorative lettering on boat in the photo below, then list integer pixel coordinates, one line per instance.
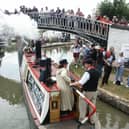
(35, 92)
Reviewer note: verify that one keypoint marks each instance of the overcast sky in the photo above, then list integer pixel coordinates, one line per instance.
(86, 5)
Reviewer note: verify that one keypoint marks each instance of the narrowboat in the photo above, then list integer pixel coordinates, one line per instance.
(42, 94)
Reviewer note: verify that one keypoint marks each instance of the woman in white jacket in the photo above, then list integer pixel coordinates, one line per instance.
(63, 81)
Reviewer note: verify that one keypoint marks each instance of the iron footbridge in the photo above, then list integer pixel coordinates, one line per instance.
(92, 30)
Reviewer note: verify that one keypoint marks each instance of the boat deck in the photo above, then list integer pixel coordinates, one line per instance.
(70, 124)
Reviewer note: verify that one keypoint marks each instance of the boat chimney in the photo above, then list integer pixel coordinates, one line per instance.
(48, 67)
(45, 72)
(38, 50)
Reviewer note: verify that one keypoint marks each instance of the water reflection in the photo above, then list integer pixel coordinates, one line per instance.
(13, 117)
(58, 53)
(112, 118)
(1, 54)
(9, 66)
(10, 91)
(13, 113)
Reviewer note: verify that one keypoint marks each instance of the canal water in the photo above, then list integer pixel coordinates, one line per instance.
(13, 113)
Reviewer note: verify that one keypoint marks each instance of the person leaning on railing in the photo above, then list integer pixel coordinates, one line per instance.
(88, 83)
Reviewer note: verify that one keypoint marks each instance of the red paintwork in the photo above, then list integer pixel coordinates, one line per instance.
(37, 73)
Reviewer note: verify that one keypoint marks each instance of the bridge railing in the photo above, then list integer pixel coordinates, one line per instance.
(75, 24)
(3, 44)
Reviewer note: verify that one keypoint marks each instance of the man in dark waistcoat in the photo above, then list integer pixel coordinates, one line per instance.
(89, 84)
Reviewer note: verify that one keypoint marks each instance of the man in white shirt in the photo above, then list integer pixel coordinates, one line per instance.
(89, 84)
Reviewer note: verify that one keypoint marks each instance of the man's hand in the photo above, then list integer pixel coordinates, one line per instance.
(73, 84)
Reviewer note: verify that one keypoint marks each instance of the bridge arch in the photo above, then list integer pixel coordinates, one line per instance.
(94, 31)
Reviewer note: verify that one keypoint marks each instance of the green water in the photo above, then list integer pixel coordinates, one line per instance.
(12, 108)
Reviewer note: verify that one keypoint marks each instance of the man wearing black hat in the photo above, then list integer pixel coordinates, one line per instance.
(89, 83)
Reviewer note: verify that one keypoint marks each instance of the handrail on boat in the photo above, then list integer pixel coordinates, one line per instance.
(87, 101)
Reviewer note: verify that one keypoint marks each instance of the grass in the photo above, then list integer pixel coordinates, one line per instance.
(77, 71)
(120, 91)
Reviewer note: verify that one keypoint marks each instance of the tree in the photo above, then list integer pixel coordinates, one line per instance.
(117, 8)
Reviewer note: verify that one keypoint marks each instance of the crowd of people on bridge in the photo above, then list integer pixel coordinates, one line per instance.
(114, 20)
(58, 11)
(70, 12)
(44, 10)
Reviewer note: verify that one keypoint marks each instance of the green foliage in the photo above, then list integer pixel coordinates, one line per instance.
(117, 8)
(106, 8)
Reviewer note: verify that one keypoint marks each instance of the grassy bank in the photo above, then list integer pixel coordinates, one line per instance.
(117, 90)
